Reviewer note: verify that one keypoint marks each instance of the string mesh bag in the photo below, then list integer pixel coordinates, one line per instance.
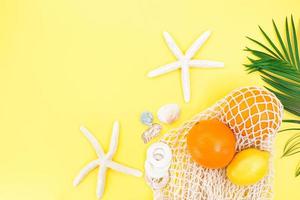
(254, 115)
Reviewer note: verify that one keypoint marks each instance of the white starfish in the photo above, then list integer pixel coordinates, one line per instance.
(104, 161)
(185, 62)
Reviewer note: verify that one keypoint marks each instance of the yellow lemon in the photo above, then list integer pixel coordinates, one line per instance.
(248, 167)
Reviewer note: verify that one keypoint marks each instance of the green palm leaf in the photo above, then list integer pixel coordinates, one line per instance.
(279, 66)
(292, 146)
(297, 173)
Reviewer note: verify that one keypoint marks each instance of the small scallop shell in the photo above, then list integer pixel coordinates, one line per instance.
(168, 113)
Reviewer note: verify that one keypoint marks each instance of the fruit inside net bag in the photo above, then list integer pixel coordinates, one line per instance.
(254, 115)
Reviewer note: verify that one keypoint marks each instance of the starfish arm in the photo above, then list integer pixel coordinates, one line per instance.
(185, 79)
(206, 63)
(164, 69)
(89, 167)
(197, 44)
(93, 141)
(124, 169)
(173, 46)
(101, 181)
(113, 141)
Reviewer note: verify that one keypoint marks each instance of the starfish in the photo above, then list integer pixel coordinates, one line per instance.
(104, 161)
(185, 61)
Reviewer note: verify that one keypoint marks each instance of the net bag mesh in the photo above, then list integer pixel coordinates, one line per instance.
(254, 115)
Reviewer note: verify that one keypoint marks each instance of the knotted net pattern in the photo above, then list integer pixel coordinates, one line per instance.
(254, 115)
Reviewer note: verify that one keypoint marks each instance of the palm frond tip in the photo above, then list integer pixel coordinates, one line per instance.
(279, 64)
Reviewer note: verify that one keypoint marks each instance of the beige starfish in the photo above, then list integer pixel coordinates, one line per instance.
(104, 161)
(185, 61)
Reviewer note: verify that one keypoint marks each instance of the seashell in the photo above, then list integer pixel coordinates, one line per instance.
(152, 132)
(146, 118)
(168, 113)
(157, 164)
(157, 183)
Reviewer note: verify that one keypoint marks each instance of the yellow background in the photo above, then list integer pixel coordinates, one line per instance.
(64, 63)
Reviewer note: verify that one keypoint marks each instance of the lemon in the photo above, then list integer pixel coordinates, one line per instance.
(248, 167)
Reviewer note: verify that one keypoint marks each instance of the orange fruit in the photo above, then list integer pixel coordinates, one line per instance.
(211, 144)
(252, 112)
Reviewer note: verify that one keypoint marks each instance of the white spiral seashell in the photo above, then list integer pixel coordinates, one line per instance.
(168, 113)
